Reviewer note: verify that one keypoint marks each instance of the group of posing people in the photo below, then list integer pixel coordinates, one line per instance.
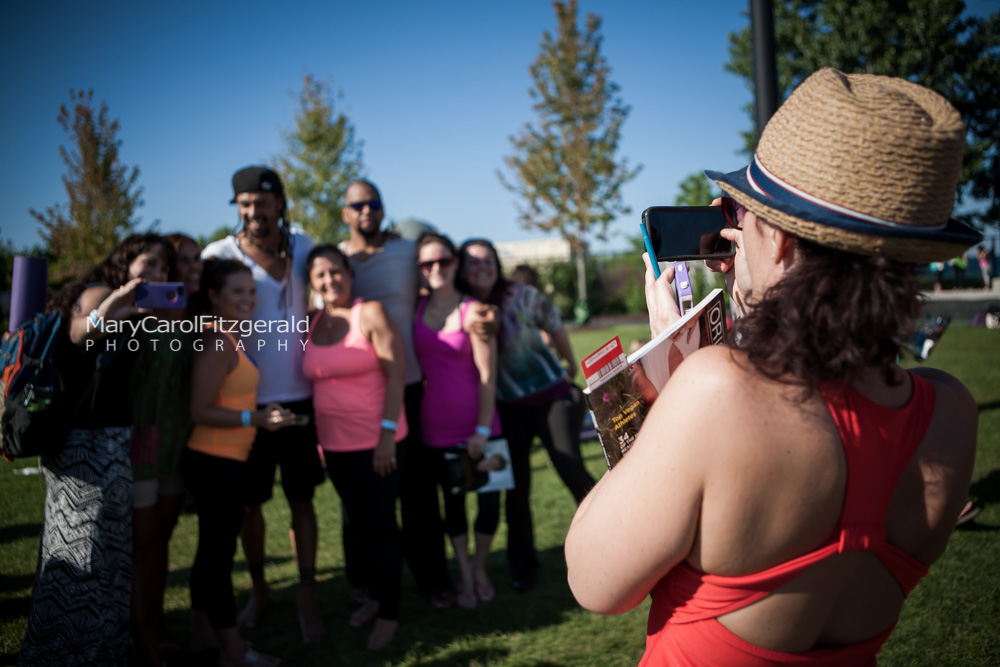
(784, 496)
(366, 361)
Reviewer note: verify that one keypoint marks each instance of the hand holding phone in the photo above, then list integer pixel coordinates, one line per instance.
(160, 295)
(681, 282)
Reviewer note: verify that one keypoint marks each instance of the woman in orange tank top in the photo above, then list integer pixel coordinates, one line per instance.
(785, 494)
(223, 409)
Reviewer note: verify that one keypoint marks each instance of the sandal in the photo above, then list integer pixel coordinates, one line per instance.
(969, 513)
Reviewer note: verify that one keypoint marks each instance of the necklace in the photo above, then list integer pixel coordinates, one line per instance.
(281, 252)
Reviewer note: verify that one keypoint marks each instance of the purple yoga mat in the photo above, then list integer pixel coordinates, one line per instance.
(28, 288)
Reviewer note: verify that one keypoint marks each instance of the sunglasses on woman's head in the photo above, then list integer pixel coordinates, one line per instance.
(444, 262)
(359, 206)
(734, 212)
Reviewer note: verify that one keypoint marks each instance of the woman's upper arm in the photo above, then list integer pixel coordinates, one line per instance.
(382, 333)
(642, 518)
(483, 351)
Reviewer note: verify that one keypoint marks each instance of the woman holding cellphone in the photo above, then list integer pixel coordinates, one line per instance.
(787, 522)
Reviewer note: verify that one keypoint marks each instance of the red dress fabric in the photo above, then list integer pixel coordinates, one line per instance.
(878, 444)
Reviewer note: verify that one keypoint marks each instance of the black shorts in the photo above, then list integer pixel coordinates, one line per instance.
(294, 449)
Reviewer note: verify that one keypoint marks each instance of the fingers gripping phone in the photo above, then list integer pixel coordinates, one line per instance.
(160, 295)
(678, 233)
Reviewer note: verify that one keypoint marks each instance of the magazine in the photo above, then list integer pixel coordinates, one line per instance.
(621, 389)
(461, 473)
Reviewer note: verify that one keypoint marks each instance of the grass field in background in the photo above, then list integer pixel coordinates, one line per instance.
(950, 619)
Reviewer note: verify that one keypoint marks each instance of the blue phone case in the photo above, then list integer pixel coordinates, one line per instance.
(649, 249)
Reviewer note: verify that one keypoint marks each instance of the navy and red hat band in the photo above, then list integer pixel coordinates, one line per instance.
(763, 182)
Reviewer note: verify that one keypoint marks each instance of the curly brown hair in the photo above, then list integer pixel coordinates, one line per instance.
(830, 317)
(113, 270)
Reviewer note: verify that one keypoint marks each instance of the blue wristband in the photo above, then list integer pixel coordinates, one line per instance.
(245, 417)
(389, 425)
(484, 431)
(95, 321)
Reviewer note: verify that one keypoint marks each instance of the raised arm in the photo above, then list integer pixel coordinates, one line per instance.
(384, 336)
(109, 304)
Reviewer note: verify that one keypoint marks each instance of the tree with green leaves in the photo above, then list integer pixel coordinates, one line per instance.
(103, 193)
(930, 42)
(322, 157)
(696, 190)
(564, 168)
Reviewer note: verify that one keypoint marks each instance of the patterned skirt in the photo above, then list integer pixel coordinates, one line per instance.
(80, 599)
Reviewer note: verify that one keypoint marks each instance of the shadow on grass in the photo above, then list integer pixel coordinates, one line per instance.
(426, 636)
(984, 407)
(19, 532)
(984, 492)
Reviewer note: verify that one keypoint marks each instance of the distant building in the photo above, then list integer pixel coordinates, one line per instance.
(533, 252)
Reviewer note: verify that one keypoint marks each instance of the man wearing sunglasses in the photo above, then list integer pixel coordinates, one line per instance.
(385, 270)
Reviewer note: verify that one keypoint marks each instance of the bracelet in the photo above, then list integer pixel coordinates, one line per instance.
(245, 417)
(389, 425)
(484, 431)
(95, 321)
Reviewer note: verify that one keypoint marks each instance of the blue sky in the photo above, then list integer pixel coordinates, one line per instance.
(434, 90)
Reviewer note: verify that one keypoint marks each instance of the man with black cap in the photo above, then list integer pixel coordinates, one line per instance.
(276, 255)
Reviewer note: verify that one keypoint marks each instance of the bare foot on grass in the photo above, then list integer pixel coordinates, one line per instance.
(364, 616)
(310, 619)
(251, 613)
(382, 634)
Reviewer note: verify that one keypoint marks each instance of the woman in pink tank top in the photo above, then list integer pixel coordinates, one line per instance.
(354, 357)
(459, 407)
(785, 494)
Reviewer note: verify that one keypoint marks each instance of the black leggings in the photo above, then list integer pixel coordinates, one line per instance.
(218, 485)
(370, 502)
(558, 425)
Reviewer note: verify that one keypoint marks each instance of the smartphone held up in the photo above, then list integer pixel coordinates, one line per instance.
(161, 295)
(679, 233)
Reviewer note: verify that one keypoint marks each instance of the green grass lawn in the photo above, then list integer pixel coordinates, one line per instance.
(950, 619)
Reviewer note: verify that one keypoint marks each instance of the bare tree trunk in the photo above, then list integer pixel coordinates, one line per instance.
(581, 311)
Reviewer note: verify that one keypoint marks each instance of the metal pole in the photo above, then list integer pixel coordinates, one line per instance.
(765, 72)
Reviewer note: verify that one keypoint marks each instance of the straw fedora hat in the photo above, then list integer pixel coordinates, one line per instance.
(862, 163)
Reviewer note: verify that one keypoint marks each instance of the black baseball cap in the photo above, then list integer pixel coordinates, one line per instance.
(256, 179)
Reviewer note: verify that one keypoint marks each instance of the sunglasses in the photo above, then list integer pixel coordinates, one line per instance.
(359, 206)
(734, 212)
(443, 262)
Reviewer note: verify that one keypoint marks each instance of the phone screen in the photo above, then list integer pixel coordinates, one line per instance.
(679, 233)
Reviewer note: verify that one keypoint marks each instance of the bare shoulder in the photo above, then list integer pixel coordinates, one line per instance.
(374, 318)
(949, 390)
(951, 436)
